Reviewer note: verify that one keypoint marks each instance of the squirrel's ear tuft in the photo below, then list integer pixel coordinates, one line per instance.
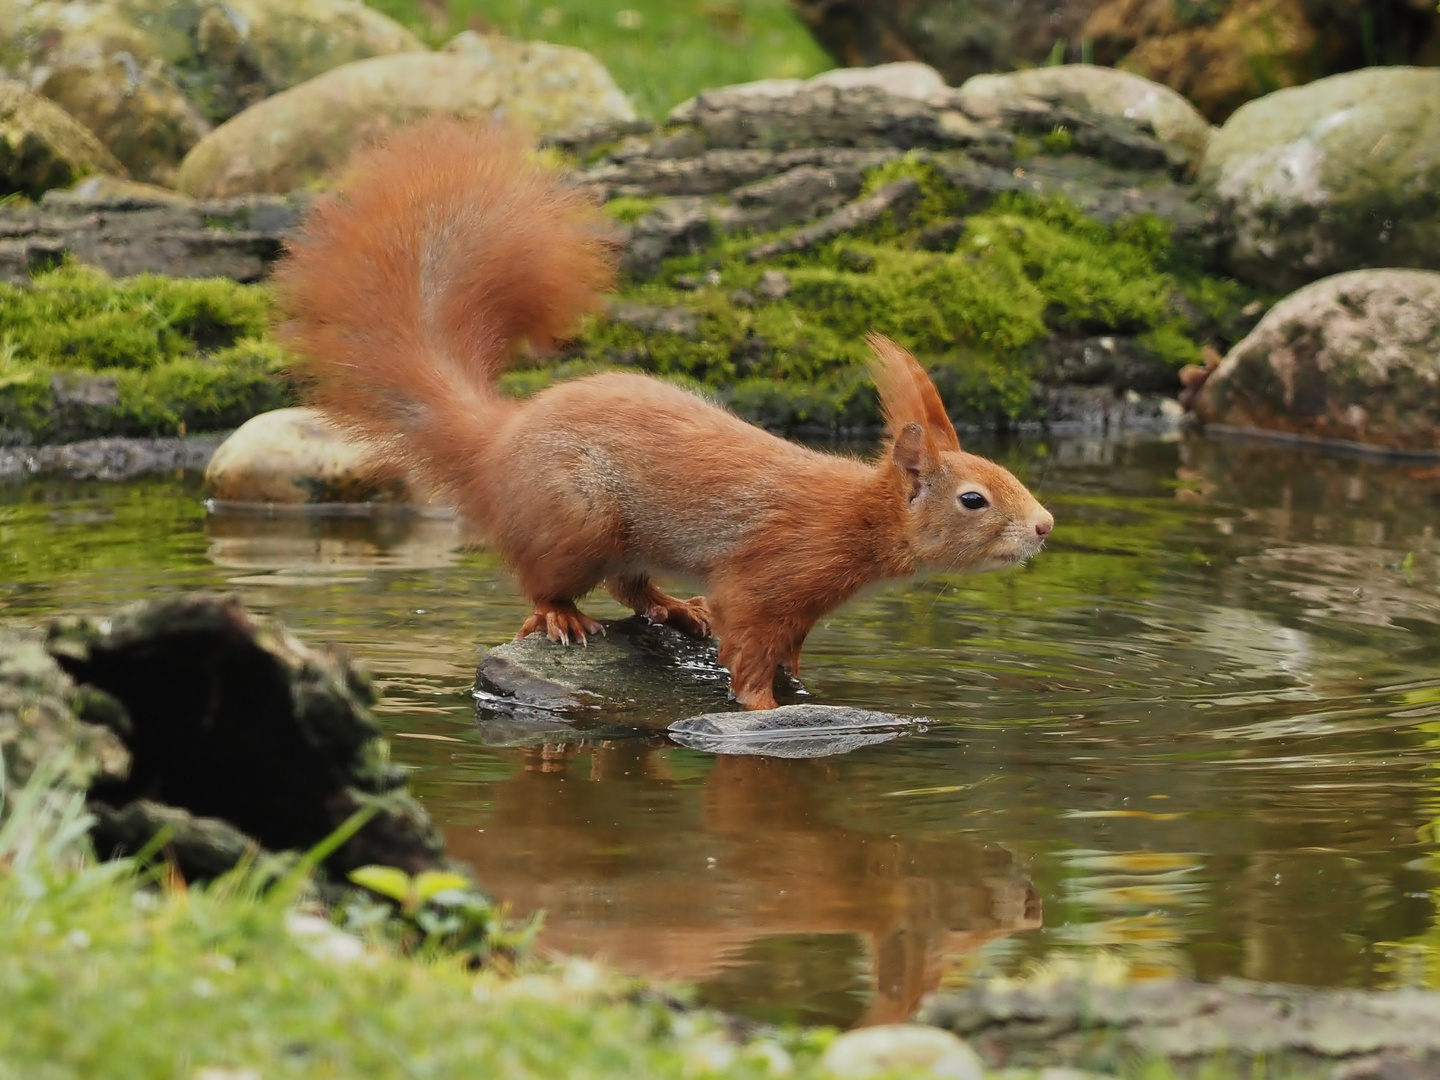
(907, 395)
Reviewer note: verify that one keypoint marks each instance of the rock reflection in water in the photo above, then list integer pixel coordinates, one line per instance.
(331, 543)
(713, 879)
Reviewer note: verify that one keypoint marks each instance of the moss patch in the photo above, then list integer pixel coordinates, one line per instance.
(629, 208)
(984, 295)
(979, 307)
(83, 355)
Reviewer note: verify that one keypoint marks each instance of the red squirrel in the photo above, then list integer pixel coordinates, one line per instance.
(409, 289)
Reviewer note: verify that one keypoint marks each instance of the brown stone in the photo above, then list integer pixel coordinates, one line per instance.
(150, 77)
(1354, 357)
(42, 146)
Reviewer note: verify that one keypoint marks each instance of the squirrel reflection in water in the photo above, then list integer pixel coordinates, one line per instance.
(615, 848)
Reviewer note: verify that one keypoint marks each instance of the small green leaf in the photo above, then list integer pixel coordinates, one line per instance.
(384, 880)
(430, 882)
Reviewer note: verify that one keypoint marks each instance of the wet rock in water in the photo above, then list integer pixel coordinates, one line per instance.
(635, 667)
(1337, 175)
(230, 718)
(151, 77)
(646, 675)
(42, 146)
(302, 135)
(893, 1049)
(294, 456)
(790, 731)
(521, 726)
(1354, 357)
(1103, 106)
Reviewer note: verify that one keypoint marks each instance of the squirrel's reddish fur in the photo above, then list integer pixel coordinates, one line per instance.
(408, 291)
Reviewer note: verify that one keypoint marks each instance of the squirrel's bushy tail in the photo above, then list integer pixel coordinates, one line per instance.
(408, 289)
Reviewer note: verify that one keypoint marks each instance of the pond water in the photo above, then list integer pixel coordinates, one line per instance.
(1200, 731)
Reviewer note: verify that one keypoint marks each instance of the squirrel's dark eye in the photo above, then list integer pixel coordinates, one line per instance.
(973, 500)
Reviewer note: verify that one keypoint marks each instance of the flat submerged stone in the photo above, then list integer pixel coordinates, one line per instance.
(649, 673)
(790, 731)
(641, 677)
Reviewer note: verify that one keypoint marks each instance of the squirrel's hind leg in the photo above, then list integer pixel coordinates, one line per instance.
(560, 620)
(639, 593)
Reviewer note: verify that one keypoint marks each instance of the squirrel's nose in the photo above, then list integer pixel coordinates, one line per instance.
(1043, 526)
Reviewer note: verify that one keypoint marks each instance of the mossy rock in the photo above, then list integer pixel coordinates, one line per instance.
(97, 62)
(983, 299)
(1338, 175)
(42, 146)
(83, 356)
(298, 138)
(233, 719)
(41, 725)
(245, 50)
(1030, 231)
(151, 77)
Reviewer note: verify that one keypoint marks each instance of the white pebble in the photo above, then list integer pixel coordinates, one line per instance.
(914, 1048)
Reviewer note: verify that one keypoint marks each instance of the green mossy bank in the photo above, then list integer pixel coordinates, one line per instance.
(983, 298)
(980, 298)
(85, 356)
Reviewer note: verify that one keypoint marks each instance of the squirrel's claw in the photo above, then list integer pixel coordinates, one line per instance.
(560, 623)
